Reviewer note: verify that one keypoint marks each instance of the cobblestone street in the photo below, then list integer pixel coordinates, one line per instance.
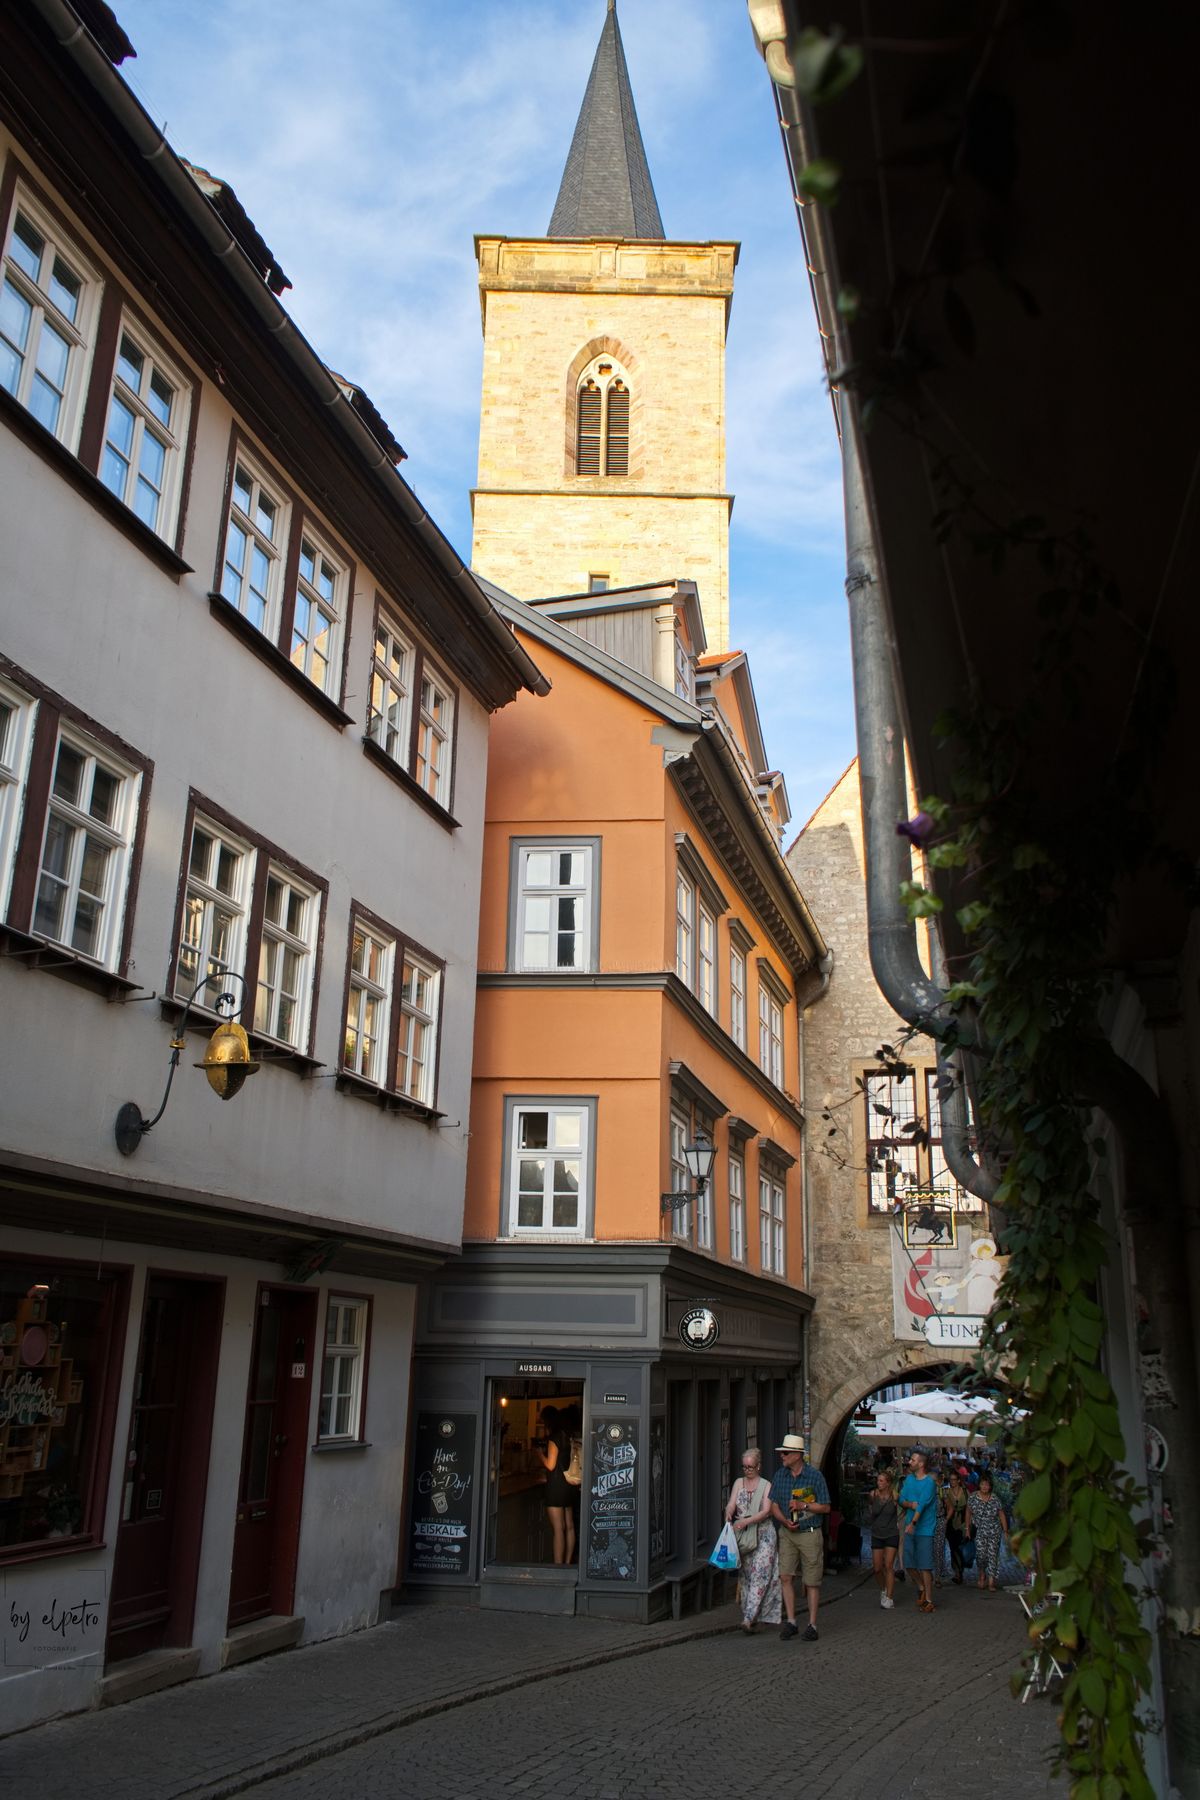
(485, 1703)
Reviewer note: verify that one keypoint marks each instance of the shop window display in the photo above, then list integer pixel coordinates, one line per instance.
(56, 1332)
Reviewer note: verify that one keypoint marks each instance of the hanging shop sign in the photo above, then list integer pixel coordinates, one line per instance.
(443, 1473)
(699, 1328)
(955, 1331)
(612, 1501)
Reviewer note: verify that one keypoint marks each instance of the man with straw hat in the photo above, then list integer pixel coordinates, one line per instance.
(799, 1498)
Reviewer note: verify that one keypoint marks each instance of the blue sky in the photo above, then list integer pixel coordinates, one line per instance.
(370, 140)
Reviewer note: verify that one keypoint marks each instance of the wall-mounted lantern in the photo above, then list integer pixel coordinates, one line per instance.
(227, 1062)
(699, 1156)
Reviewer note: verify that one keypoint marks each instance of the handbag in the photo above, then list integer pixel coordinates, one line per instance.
(747, 1535)
(967, 1552)
(725, 1554)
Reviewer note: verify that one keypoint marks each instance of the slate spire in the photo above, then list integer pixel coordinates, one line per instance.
(606, 188)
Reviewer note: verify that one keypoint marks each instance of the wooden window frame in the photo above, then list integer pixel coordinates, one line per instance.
(357, 1438)
(266, 857)
(388, 1091)
(514, 1106)
(424, 666)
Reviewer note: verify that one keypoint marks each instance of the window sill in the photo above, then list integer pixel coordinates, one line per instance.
(268, 1050)
(335, 1446)
(43, 443)
(273, 656)
(411, 787)
(46, 1547)
(385, 1098)
(69, 965)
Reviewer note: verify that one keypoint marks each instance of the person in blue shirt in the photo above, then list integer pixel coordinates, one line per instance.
(918, 1502)
(799, 1498)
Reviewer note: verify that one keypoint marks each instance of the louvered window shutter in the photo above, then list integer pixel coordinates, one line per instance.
(616, 460)
(587, 441)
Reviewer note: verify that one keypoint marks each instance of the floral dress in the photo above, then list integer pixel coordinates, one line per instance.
(762, 1597)
(985, 1520)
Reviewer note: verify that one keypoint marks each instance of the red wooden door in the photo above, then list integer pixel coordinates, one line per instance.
(275, 1445)
(162, 1503)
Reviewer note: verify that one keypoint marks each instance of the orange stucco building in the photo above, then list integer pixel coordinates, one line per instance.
(645, 955)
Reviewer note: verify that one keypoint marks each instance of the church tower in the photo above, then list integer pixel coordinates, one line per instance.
(602, 422)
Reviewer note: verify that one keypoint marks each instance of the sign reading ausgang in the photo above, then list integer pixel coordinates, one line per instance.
(954, 1331)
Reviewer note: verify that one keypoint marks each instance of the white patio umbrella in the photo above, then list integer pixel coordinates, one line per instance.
(896, 1426)
(941, 1404)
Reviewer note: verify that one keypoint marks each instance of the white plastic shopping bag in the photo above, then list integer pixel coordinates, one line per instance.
(725, 1550)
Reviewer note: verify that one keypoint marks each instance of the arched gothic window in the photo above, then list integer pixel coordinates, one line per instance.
(602, 420)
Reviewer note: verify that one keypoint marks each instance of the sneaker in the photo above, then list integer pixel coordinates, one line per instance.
(884, 1601)
(790, 1629)
(809, 1634)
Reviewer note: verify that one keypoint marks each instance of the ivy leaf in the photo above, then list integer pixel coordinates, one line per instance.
(1083, 1429)
(1093, 1691)
(824, 66)
(1081, 1545)
(1034, 1499)
(820, 180)
(973, 916)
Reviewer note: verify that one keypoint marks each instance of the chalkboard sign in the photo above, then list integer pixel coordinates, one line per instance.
(612, 1501)
(442, 1498)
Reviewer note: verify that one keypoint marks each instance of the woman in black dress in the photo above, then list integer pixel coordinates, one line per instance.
(555, 1454)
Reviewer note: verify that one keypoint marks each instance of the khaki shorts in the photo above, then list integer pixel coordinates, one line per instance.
(803, 1550)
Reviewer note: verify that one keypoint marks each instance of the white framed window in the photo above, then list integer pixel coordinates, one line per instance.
(435, 725)
(685, 675)
(368, 1004)
(602, 419)
(681, 1181)
(86, 846)
(704, 1212)
(737, 995)
(216, 901)
(343, 1372)
(142, 458)
(255, 540)
(685, 928)
(770, 1033)
(17, 714)
(286, 957)
(317, 616)
(706, 961)
(892, 1159)
(548, 1170)
(939, 1169)
(416, 1048)
(737, 1206)
(555, 902)
(771, 1222)
(48, 296)
(389, 712)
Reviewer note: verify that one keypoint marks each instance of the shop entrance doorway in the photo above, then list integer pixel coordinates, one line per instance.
(267, 1533)
(162, 1500)
(520, 1525)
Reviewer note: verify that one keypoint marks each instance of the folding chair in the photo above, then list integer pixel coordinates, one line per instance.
(1045, 1667)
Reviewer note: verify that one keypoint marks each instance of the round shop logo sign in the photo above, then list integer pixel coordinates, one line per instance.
(698, 1328)
(446, 1428)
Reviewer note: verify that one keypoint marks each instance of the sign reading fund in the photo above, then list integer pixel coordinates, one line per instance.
(443, 1474)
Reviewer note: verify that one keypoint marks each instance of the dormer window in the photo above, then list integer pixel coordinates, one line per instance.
(685, 674)
(602, 420)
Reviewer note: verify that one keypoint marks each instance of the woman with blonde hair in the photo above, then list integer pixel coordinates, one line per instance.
(883, 1522)
(749, 1512)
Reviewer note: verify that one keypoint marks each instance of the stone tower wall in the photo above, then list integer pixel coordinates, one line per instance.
(549, 306)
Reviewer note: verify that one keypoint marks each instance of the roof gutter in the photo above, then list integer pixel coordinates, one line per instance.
(77, 41)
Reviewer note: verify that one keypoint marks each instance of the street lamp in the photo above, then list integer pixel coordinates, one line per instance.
(227, 1062)
(699, 1156)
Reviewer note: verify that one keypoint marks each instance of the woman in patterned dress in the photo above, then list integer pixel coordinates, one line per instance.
(985, 1522)
(749, 1512)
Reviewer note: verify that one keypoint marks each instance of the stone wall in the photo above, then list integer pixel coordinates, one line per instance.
(852, 1346)
(549, 307)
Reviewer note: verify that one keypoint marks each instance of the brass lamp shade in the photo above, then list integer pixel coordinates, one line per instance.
(228, 1061)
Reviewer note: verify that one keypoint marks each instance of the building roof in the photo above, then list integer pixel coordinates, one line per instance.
(606, 188)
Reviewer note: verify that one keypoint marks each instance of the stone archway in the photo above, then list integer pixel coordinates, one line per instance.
(897, 1362)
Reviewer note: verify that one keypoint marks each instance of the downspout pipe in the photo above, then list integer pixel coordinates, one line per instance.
(891, 939)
